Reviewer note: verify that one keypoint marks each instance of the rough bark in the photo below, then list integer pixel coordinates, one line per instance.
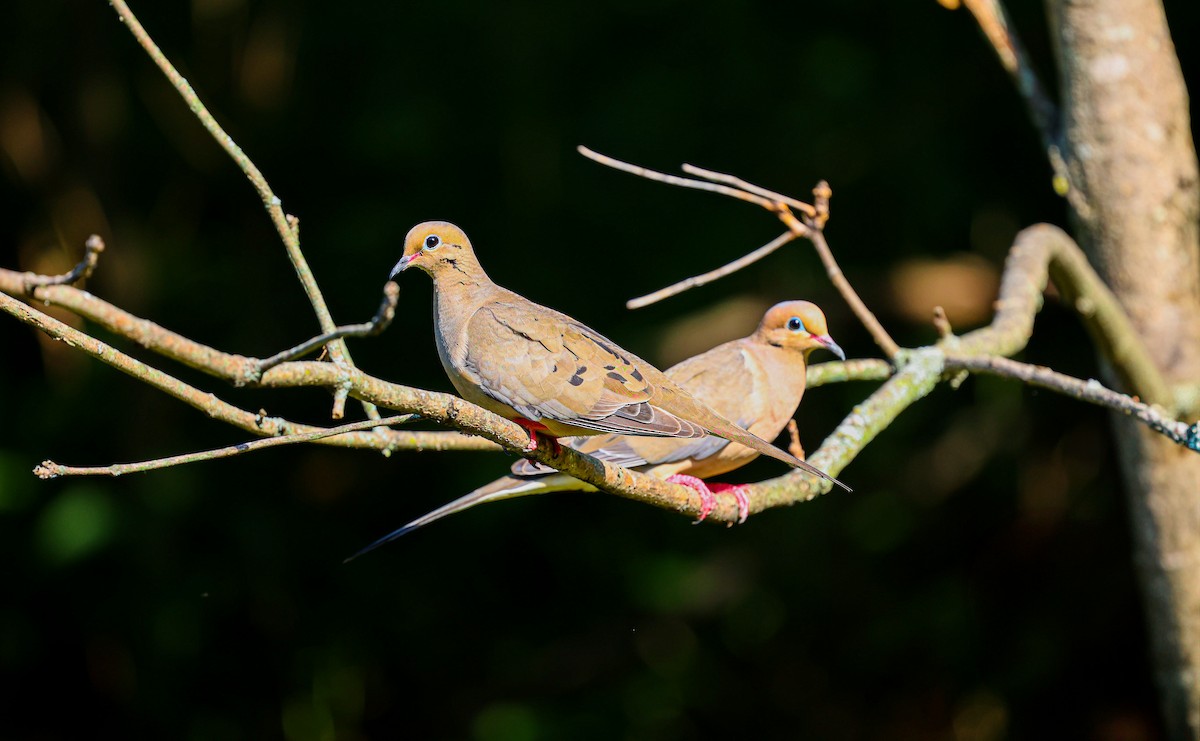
(1133, 172)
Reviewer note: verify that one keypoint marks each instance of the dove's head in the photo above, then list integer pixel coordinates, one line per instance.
(798, 325)
(438, 247)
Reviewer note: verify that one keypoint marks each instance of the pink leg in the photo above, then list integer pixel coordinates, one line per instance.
(707, 500)
(534, 428)
(739, 493)
(708, 494)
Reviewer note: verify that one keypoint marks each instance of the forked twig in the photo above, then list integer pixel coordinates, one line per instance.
(810, 228)
(663, 177)
(378, 323)
(736, 182)
(286, 225)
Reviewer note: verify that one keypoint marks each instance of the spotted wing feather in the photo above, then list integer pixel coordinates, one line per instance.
(547, 366)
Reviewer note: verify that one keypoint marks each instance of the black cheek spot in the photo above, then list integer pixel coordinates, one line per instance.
(554, 369)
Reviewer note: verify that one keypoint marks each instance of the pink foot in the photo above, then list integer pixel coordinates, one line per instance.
(707, 500)
(739, 493)
(708, 494)
(534, 428)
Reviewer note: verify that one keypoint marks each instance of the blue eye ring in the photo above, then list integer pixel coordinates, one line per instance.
(432, 242)
(795, 324)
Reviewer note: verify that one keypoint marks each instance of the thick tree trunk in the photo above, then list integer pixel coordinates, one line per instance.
(1132, 166)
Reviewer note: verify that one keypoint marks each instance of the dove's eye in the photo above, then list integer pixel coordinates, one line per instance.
(432, 242)
(795, 325)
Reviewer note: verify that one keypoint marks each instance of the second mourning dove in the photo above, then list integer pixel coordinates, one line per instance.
(757, 381)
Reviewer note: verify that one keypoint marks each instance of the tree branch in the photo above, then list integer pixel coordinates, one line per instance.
(1039, 253)
(994, 22)
(286, 225)
(287, 375)
(1091, 391)
(50, 469)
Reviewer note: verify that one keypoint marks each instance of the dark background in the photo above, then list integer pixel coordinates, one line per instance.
(976, 586)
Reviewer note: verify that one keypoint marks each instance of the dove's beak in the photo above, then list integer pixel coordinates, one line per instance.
(828, 343)
(403, 264)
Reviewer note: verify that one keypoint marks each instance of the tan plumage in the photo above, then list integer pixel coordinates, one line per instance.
(757, 381)
(529, 363)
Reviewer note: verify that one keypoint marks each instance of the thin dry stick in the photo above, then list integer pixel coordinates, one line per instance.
(287, 226)
(994, 22)
(662, 177)
(834, 271)
(777, 204)
(378, 323)
(82, 270)
(941, 323)
(736, 182)
(1091, 391)
(50, 469)
(794, 446)
(699, 280)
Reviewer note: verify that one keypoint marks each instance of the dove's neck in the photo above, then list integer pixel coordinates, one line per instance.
(461, 287)
(457, 296)
(786, 371)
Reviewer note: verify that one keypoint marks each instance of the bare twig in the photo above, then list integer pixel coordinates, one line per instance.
(242, 370)
(662, 177)
(941, 323)
(287, 226)
(1091, 391)
(82, 270)
(780, 205)
(865, 315)
(994, 22)
(736, 182)
(50, 469)
(380, 322)
(794, 446)
(709, 277)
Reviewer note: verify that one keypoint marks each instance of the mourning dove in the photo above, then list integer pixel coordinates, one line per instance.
(757, 381)
(543, 369)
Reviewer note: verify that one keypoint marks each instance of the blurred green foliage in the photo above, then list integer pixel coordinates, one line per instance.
(976, 586)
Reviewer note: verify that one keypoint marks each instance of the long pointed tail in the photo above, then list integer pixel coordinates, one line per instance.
(730, 431)
(508, 487)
